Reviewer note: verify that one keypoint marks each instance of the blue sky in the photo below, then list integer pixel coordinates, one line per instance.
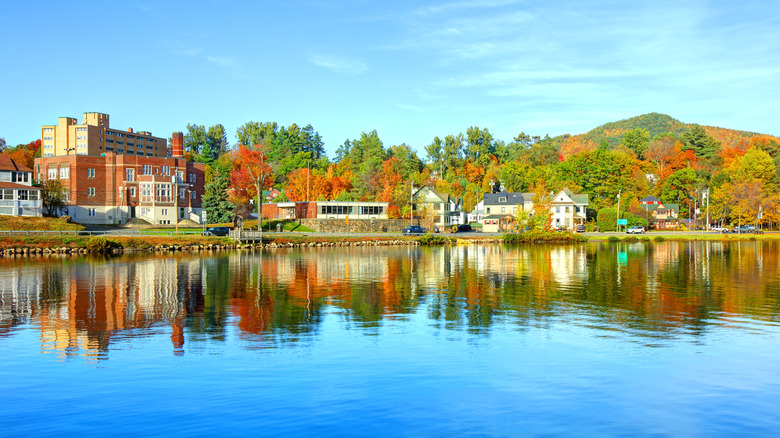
(409, 69)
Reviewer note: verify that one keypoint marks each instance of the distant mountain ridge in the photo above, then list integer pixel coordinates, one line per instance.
(657, 125)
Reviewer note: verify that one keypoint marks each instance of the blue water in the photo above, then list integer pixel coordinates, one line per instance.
(466, 341)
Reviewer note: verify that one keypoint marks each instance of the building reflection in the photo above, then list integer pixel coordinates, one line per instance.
(89, 306)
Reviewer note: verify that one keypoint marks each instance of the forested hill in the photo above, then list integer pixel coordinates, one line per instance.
(656, 125)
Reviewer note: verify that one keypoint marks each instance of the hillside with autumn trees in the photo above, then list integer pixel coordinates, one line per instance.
(651, 154)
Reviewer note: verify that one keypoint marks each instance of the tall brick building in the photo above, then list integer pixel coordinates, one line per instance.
(94, 136)
(110, 188)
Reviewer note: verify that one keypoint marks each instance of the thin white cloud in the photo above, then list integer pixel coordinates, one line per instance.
(466, 4)
(339, 64)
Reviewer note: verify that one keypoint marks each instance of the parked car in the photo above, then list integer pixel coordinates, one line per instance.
(636, 230)
(744, 229)
(217, 231)
(717, 229)
(579, 229)
(465, 228)
(414, 230)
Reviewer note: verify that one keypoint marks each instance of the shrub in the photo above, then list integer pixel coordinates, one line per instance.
(631, 239)
(659, 238)
(101, 244)
(433, 239)
(613, 239)
(532, 236)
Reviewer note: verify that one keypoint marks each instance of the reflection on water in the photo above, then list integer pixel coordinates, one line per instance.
(649, 293)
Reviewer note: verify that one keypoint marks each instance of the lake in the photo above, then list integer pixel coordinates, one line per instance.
(597, 339)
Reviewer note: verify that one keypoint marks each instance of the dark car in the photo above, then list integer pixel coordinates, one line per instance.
(579, 229)
(217, 231)
(465, 228)
(414, 230)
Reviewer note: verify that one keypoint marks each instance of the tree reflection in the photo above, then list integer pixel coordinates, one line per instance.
(85, 306)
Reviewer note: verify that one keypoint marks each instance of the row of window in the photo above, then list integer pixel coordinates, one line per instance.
(23, 195)
(348, 209)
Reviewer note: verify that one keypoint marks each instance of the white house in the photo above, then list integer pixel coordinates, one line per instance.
(17, 195)
(568, 209)
(445, 209)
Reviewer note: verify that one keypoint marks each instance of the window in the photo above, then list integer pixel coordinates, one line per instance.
(34, 195)
(48, 146)
(81, 137)
(147, 169)
(22, 195)
(558, 209)
(21, 177)
(502, 199)
(48, 154)
(192, 195)
(7, 194)
(146, 211)
(90, 173)
(192, 177)
(91, 212)
(165, 212)
(165, 170)
(52, 173)
(503, 209)
(132, 192)
(109, 140)
(83, 129)
(129, 174)
(488, 210)
(90, 191)
(146, 190)
(163, 190)
(48, 138)
(120, 142)
(181, 193)
(120, 150)
(48, 129)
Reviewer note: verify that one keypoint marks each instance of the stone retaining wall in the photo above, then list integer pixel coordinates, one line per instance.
(357, 225)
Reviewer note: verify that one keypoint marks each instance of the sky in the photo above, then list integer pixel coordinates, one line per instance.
(412, 70)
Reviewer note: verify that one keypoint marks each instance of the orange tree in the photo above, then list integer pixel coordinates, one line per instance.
(251, 174)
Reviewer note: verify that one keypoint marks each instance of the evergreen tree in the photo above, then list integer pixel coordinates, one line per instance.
(215, 199)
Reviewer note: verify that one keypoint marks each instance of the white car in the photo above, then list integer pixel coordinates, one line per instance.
(636, 230)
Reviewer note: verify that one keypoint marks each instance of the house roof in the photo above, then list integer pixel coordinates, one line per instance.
(443, 196)
(498, 216)
(650, 199)
(10, 185)
(579, 199)
(511, 198)
(7, 163)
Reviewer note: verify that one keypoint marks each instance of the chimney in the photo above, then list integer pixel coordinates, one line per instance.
(177, 145)
(129, 129)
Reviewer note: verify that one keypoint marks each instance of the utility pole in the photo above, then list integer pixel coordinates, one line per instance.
(411, 203)
(175, 194)
(307, 183)
(617, 217)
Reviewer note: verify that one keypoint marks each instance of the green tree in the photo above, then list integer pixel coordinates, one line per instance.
(435, 152)
(479, 145)
(195, 139)
(215, 199)
(680, 187)
(704, 146)
(637, 140)
(54, 196)
(756, 164)
(256, 133)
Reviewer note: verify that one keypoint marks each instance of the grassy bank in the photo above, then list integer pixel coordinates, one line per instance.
(37, 224)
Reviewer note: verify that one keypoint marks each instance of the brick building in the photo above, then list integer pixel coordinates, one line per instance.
(325, 210)
(112, 188)
(94, 136)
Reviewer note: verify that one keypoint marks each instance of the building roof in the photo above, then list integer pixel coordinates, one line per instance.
(498, 216)
(10, 185)
(7, 163)
(511, 198)
(650, 199)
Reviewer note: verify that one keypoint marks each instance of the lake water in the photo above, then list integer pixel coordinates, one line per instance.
(602, 339)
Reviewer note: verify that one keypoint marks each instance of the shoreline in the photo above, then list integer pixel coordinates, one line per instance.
(52, 245)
